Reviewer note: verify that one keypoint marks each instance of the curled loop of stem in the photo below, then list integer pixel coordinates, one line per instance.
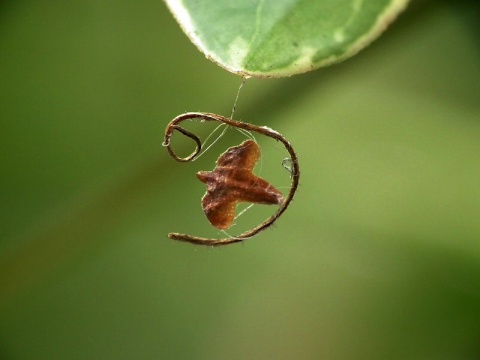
(295, 171)
(168, 134)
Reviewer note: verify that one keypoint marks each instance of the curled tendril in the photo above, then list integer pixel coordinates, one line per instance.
(295, 171)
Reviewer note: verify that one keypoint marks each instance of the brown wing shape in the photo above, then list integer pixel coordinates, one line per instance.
(220, 211)
(243, 156)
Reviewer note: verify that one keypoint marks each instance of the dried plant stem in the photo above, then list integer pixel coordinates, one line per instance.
(295, 171)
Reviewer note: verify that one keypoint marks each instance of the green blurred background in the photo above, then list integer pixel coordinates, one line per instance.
(378, 257)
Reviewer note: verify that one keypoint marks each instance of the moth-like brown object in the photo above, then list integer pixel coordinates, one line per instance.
(232, 182)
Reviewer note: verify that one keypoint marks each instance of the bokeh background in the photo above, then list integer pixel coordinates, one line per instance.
(378, 256)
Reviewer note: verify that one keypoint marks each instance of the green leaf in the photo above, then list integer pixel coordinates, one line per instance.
(272, 38)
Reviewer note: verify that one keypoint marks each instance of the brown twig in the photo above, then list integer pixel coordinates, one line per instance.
(295, 171)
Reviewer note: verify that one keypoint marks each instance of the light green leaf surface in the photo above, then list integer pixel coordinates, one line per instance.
(271, 38)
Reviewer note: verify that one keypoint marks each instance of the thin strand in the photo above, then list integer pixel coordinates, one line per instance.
(246, 133)
(236, 98)
(243, 211)
(227, 234)
(213, 132)
(214, 141)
